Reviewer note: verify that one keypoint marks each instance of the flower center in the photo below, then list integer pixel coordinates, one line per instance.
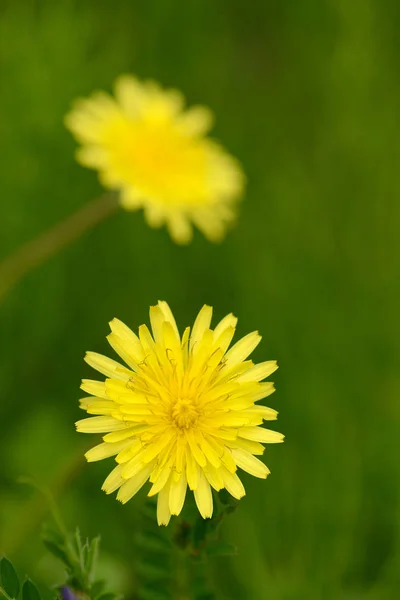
(184, 413)
(162, 163)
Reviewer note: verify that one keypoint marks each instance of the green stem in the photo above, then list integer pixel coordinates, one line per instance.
(5, 593)
(34, 253)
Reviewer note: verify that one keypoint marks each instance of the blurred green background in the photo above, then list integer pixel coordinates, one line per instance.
(307, 95)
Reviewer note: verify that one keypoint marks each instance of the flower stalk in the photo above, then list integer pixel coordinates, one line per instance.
(34, 253)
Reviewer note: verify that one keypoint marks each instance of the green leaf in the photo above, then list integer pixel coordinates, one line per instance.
(9, 578)
(29, 591)
(91, 558)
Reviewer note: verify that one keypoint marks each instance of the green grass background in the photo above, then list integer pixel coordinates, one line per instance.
(307, 95)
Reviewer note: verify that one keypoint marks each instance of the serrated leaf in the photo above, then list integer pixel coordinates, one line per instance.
(9, 578)
(91, 558)
(221, 548)
(84, 555)
(29, 591)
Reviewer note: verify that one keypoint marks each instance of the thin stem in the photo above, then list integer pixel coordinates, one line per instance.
(2, 591)
(34, 253)
(36, 509)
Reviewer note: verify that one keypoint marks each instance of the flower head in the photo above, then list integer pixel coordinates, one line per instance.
(144, 144)
(182, 412)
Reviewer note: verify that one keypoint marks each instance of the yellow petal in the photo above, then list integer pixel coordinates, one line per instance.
(100, 407)
(195, 449)
(191, 470)
(228, 321)
(129, 431)
(259, 434)
(214, 477)
(133, 485)
(201, 323)
(196, 120)
(169, 317)
(160, 482)
(99, 425)
(107, 366)
(266, 413)
(260, 371)
(157, 446)
(113, 481)
(250, 463)
(105, 450)
(128, 339)
(242, 349)
(203, 496)
(96, 388)
(248, 445)
(146, 340)
(232, 483)
(133, 466)
(179, 227)
(163, 512)
(209, 452)
(130, 94)
(264, 390)
(227, 460)
(223, 341)
(157, 319)
(123, 392)
(177, 494)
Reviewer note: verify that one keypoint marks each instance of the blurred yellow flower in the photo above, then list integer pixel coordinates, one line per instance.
(156, 154)
(182, 413)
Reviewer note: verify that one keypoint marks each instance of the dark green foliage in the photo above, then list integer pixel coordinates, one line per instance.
(79, 558)
(200, 537)
(29, 591)
(9, 583)
(154, 565)
(9, 578)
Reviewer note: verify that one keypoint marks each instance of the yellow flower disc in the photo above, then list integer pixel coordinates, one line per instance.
(182, 413)
(157, 155)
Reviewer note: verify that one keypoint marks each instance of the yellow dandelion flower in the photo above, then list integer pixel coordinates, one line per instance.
(182, 412)
(156, 154)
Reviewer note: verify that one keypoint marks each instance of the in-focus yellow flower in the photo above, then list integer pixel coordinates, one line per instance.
(182, 413)
(144, 144)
